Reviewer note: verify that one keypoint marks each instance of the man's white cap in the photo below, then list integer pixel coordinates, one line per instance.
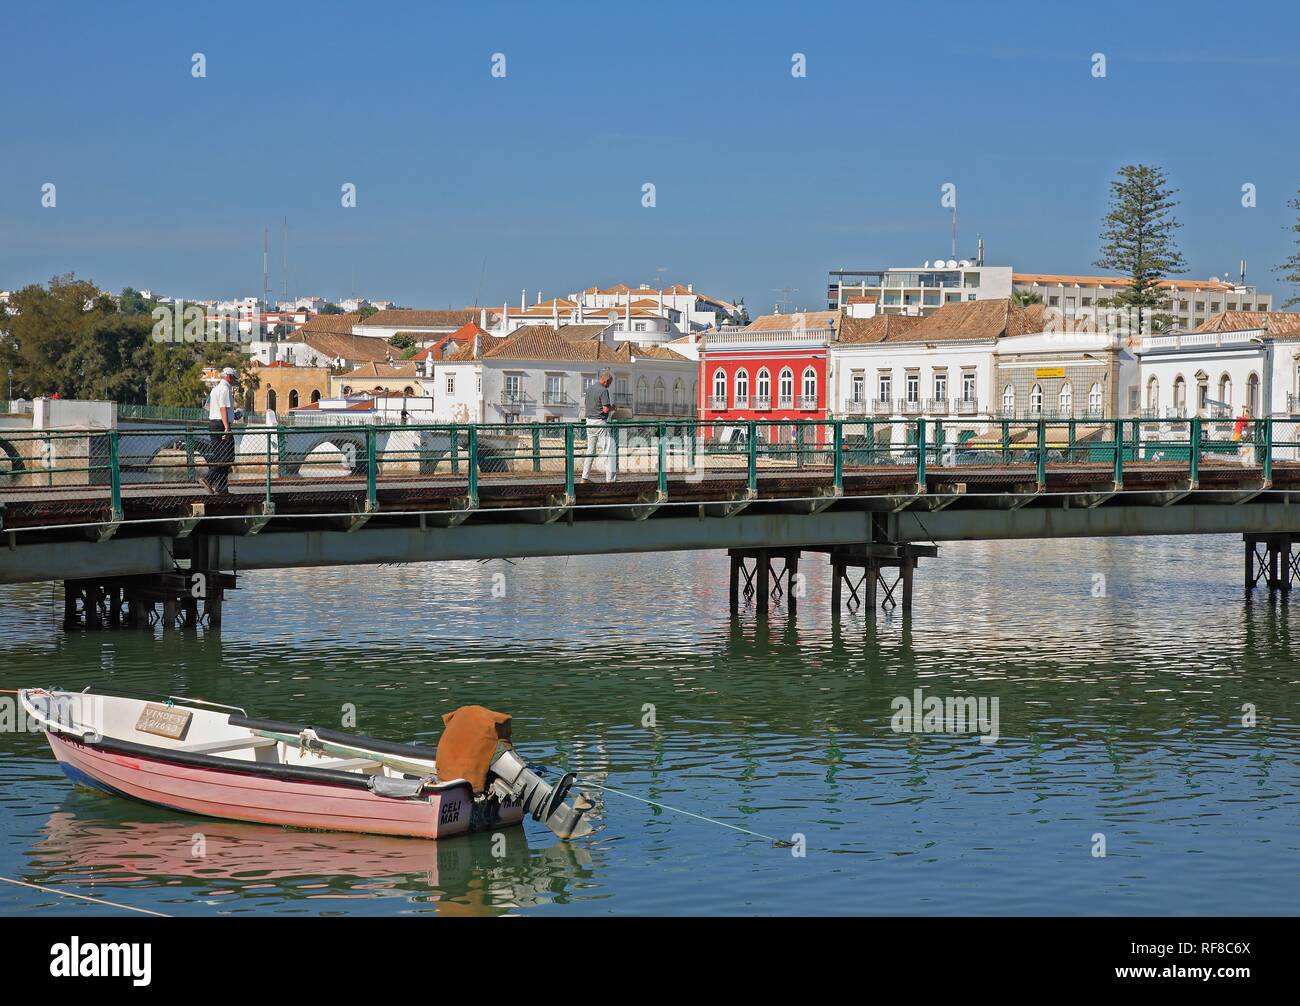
(229, 372)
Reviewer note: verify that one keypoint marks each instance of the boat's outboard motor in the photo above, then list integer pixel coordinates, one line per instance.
(510, 777)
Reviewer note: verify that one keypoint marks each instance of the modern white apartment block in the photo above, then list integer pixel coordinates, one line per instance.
(916, 291)
(1191, 302)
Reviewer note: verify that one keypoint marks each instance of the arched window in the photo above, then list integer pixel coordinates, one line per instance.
(270, 399)
(786, 387)
(742, 388)
(1153, 394)
(763, 389)
(809, 388)
(642, 391)
(719, 389)
(1065, 399)
(661, 392)
(1180, 393)
(1225, 389)
(293, 398)
(1009, 400)
(1252, 394)
(679, 392)
(315, 395)
(1036, 400)
(1094, 400)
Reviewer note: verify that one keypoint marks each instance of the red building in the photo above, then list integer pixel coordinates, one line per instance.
(774, 368)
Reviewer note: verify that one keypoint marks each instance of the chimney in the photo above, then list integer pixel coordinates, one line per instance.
(523, 300)
(482, 318)
(539, 296)
(555, 314)
(476, 345)
(690, 287)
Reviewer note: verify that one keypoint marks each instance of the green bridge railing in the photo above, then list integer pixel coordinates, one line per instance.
(324, 460)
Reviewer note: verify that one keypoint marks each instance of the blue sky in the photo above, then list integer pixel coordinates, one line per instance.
(471, 187)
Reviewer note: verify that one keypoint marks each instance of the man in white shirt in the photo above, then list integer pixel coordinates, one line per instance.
(221, 415)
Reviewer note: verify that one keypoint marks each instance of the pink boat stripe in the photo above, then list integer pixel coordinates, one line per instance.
(257, 798)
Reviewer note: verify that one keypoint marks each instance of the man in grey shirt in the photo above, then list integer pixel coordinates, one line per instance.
(600, 438)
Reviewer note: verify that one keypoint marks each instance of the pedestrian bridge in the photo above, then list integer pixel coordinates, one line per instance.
(103, 507)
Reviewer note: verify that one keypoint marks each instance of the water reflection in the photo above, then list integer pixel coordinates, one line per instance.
(1123, 713)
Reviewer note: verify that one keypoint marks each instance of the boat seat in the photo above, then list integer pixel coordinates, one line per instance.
(234, 744)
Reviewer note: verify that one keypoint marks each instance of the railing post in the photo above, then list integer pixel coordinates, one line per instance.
(1194, 452)
(938, 441)
(1267, 459)
(753, 458)
(281, 443)
(268, 464)
(1042, 454)
(663, 460)
(537, 448)
(1117, 437)
(837, 437)
(920, 455)
(372, 468)
(1072, 435)
(472, 448)
(568, 460)
(190, 473)
(453, 433)
(1006, 440)
(114, 474)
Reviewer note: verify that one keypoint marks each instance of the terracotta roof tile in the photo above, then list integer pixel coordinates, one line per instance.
(340, 345)
(399, 317)
(1272, 322)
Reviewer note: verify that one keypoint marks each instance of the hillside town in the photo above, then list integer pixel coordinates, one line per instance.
(958, 341)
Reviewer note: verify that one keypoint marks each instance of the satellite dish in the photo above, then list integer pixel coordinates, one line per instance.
(964, 263)
(927, 264)
(951, 264)
(613, 317)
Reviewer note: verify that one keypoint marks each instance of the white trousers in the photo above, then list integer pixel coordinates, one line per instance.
(600, 439)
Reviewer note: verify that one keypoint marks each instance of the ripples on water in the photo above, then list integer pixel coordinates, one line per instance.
(1119, 715)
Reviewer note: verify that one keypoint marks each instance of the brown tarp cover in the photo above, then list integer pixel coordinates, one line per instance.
(468, 743)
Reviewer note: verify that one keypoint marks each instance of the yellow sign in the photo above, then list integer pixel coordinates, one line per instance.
(1040, 372)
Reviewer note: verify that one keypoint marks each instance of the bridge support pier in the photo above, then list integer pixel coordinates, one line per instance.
(140, 602)
(1269, 558)
(754, 577)
(866, 571)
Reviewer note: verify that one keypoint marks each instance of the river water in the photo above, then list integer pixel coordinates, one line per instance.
(1142, 710)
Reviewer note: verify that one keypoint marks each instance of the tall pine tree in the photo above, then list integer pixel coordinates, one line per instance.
(1137, 239)
(1290, 269)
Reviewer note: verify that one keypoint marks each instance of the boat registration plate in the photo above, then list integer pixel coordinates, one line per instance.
(164, 721)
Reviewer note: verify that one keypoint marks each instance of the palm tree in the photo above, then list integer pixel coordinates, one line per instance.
(1023, 298)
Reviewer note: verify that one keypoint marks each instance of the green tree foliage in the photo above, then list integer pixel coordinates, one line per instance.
(366, 311)
(402, 340)
(1290, 269)
(331, 309)
(1023, 298)
(1137, 240)
(70, 338)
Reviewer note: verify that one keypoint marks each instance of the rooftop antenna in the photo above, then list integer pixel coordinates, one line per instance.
(266, 251)
(979, 251)
(954, 228)
(284, 255)
(1243, 272)
(785, 292)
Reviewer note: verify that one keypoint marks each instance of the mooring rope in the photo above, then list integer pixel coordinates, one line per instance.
(781, 842)
(84, 897)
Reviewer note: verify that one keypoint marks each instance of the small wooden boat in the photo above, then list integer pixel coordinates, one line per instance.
(203, 758)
